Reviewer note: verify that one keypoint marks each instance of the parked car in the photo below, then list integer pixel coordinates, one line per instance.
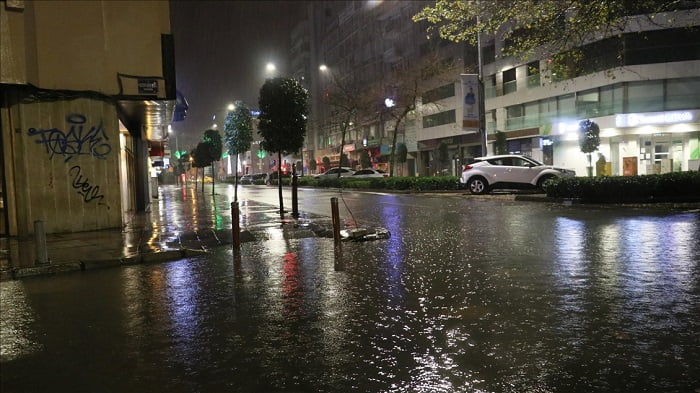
(508, 171)
(333, 172)
(252, 178)
(362, 173)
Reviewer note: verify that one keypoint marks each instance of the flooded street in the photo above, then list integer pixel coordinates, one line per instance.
(467, 295)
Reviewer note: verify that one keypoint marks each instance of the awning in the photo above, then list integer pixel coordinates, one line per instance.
(148, 119)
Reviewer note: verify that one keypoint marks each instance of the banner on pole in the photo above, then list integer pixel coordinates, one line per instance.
(471, 102)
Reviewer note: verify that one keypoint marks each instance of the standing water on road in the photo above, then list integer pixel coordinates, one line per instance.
(466, 295)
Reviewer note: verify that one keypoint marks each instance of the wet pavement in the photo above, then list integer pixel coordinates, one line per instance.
(467, 295)
(182, 222)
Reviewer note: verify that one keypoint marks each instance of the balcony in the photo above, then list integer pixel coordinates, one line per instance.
(533, 81)
(509, 87)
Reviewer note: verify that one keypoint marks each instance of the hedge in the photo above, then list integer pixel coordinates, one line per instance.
(384, 183)
(669, 187)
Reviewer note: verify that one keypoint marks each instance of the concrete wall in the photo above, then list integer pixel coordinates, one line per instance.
(82, 45)
(62, 165)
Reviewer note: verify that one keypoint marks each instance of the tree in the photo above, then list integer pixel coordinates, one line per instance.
(211, 149)
(198, 161)
(365, 160)
(589, 140)
(401, 153)
(501, 144)
(344, 161)
(554, 30)
(443, 156)
(349, 100)
(283, 112)
(326, 163)
(312, 165)
(238, 134)
(407, 85)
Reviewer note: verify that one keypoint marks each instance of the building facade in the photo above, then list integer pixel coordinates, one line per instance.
(88, 91)
(365, 49)
(642, 89)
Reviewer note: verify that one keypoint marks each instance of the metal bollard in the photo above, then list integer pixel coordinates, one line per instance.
(40, 243)
(235, 227)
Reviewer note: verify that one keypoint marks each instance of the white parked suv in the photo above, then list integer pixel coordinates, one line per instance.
(508, 171)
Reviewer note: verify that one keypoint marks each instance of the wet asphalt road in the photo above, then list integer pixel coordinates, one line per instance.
(467, 295)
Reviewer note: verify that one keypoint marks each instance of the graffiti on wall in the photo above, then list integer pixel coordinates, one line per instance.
(79, 140)
(82, 184)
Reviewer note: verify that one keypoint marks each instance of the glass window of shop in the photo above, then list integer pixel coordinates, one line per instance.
(645, 96)
(566, 105)
(588, 103)
(520, 146)
(611, 99)
(682, 93)
(661, 153)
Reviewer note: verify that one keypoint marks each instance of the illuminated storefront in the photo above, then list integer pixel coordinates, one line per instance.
(636, 143)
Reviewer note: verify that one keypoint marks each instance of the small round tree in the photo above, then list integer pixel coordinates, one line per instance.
(238, 134)
(326, 163)
(312, 165)
(283, 112)
(501, 144)
(589, 140)
(365, 160)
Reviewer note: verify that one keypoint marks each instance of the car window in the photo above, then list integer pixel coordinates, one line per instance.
(521, 162)
(363, 172)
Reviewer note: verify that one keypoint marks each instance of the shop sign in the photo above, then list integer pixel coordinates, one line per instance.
(148, 86)
(642, 119)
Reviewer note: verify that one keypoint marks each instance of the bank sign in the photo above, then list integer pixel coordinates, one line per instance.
(657, 118)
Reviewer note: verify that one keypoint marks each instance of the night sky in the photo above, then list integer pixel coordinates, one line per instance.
(221, 48)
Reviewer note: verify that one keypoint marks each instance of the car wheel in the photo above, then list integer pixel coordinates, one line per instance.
(542, 180)
(478, 185)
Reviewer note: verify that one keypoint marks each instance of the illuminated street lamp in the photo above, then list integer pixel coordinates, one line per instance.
(270, 68)
(389, 103)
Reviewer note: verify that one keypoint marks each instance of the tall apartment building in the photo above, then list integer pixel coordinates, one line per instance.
(642, 89)
(647, 103)
(365, 43)
(88, 91)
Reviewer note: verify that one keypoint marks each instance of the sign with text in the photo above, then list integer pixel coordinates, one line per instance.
(471, 100)
(148, 86)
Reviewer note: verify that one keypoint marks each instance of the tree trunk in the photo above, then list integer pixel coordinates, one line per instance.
(213, 176)
(279, 182)
(203, 176)
(590, 166)
(235, 187)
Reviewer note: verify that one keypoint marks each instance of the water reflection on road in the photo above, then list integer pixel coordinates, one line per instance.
(466, 296)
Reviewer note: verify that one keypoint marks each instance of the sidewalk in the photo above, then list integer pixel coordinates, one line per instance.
(179, 224)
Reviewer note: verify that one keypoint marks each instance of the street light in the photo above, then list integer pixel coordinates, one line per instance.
(389, 103)
(270, 68)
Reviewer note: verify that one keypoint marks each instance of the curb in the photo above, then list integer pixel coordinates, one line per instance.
(95, 264)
